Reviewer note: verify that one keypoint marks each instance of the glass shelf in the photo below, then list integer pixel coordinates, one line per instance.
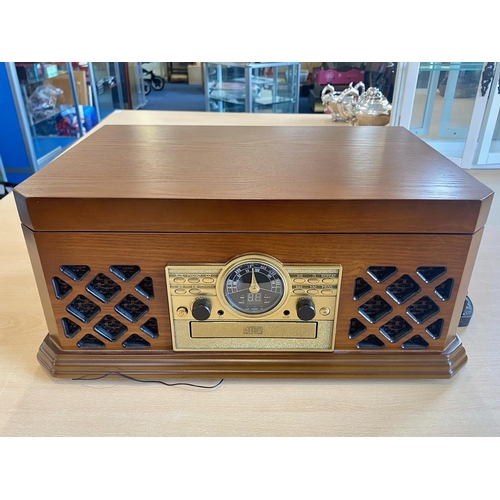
(258, 101)
(451, 66)
(107, 88)
(269, 100)
(250, 87)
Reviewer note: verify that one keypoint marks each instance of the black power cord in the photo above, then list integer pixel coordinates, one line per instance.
(153, 381)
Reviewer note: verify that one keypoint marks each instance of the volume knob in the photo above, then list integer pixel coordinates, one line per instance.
(201, 309)
(305, 309)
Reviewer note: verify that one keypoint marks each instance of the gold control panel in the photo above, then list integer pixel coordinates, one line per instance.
(253, 302)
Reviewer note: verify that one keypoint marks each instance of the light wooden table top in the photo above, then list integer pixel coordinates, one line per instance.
(127, 117)
(34, 404)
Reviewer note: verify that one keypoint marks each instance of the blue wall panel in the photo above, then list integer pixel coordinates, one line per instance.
(12, 146)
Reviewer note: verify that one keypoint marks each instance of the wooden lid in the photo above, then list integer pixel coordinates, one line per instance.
(261, 179)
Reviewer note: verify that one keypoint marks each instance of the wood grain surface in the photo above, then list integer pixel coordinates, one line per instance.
(152, 252)
(156, 365)
(33, 404)
(306, 179)
(253, 163)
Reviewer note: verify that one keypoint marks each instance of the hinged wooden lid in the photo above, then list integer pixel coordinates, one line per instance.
(253, 179)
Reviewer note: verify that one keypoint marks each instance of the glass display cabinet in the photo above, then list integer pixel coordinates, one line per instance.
(46, 106)
(54, 101)
(454, 107)
(135, 81)
(119, 85)
(271, 87)
(109, 94)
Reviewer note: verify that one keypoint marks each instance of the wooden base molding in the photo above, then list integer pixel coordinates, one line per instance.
(169, 364)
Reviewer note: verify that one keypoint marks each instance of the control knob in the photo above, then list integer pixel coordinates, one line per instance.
(201, 309)
(305, 309)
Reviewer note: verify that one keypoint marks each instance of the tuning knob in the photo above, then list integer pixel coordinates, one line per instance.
(305, 309)
(201, 309)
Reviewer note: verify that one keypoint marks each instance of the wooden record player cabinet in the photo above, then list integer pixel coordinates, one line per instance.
(104, 220)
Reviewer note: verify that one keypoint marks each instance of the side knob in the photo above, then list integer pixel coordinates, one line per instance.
(305, 309)
(201, 309)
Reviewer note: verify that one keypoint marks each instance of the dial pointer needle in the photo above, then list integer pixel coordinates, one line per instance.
(254, 287)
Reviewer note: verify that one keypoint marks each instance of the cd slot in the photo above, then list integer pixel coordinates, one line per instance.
(258, 329)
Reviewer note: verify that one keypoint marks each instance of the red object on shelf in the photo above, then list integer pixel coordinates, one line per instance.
(325, 76)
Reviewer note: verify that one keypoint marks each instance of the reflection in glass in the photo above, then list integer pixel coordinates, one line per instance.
(444, 101)
(106, 87)
(47, 94)
(493, 153)
(136, 85)
(252, 87)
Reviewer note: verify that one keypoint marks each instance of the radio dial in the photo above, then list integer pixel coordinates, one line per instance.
(201, 309)
(305, 309)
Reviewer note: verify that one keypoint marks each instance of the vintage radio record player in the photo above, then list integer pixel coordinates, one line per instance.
(185, 251)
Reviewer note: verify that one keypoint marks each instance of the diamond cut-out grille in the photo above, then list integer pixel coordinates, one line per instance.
(131, 308)
(403, 288)
(443, 291)
(83, 308)
(145, 288)
(89, 297)
(375, 309)
(399, 309)
(381, 273)
(361, 288)
(136, 342)
(356, 328)
(70, 328)
(370, 342)
(421, 310)
(61, 288)
(110, 328)
(429, 274)
(434, 329)
(76, 273)
(90, 342)
(150, 328)
(125, 272)
(103, 287)
(416, 342)
(395, 329)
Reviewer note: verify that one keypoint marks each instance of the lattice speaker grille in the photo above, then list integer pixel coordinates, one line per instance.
(106, 308)
(103, 287)
(399, 309)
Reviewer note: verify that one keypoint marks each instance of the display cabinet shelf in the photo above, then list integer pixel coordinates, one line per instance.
(252, 87)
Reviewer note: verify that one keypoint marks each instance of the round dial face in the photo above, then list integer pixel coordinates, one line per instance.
(254, 288)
